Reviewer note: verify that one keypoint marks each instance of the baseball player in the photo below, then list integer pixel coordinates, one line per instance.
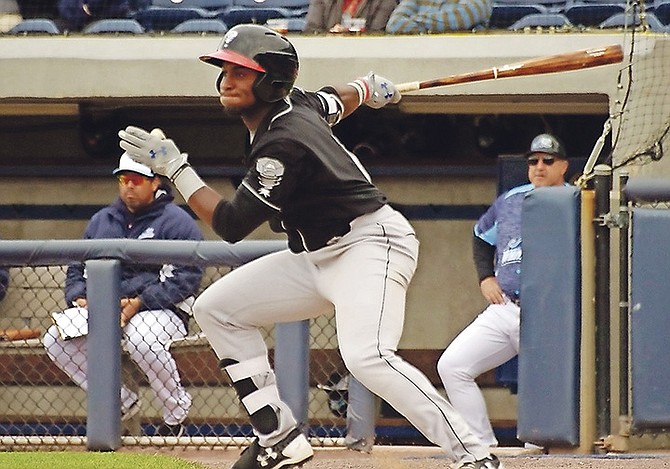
(493, 337)
(348, 250)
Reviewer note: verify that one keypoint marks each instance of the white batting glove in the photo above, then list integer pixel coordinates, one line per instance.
(152, 149)
(375, 91)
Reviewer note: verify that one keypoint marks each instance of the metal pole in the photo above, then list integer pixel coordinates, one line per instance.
(103, 422)
(602, 185)
(623, 295)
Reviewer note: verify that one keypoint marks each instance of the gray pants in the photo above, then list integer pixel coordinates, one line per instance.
(363, 278)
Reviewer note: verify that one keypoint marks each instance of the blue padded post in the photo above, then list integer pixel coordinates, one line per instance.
(649, 320)
(103, 423)
(291, 365)
(549, 365)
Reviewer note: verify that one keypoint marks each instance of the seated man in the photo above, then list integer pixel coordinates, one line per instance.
(438, 16)
(150, 294)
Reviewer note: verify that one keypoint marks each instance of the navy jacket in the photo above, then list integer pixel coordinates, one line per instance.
(158, 286)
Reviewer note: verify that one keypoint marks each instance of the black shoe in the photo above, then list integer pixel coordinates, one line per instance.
(491, 462)
(170, 430)
(292, 451)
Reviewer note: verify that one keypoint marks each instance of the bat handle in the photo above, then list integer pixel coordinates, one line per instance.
(407, 87)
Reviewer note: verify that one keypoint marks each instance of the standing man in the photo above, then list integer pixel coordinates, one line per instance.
(348, 250)
(150, 294)
(493, 337)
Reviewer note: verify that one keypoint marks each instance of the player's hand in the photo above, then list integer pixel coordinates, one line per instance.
(491, 291)
(379, 91)
(153, 150)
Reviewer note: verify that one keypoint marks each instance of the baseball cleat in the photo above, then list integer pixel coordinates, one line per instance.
(292, 451)
(490, 462)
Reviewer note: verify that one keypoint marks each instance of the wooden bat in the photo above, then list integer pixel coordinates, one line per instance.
(577, 60)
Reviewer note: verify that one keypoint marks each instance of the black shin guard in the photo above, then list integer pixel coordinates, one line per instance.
(264, 420)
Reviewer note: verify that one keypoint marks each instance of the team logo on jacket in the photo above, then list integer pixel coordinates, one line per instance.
(147, 234)
(270, 173)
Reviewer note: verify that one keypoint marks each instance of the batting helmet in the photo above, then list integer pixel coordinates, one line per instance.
(545, 143)
(261, 49)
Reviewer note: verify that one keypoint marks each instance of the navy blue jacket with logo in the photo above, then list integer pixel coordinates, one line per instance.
(158, 286)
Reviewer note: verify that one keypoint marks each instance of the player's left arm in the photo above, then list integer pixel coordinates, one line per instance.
(372, 90)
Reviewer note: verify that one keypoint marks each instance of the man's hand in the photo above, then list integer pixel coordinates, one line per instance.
(129, 308)
(376, 91)
(153, 150)
(491, 291)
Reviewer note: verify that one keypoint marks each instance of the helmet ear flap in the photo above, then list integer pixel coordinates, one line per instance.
(218, 82)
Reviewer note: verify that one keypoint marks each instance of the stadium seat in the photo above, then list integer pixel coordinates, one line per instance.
(206, 4)
(157, 18)
(592, 13)
(661, 9)
(201, 26)
(241, 15)
(297, 8)
(505, 15)
(544, 20)
(114, 26)
(623, 20)
(35, 26)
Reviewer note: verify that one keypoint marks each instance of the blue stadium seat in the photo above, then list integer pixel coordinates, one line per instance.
(296, 7)
(551, 6)
(114, 26)
(544, 20)
(592, 13)
(623, 20)
(35, 26)
(201, 25)
(661, 9)
(503, 16)
(157, 18)
(206, 4)
(258, 15)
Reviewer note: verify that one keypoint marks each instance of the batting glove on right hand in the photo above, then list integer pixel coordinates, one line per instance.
(152, 149)
(376, 91)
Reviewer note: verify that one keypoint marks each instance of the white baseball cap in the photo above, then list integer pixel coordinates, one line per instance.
(126, 163)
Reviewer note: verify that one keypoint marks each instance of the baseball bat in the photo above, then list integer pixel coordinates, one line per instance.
(577, 60)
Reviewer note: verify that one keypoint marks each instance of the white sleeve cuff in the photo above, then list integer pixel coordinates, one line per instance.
(187, 182)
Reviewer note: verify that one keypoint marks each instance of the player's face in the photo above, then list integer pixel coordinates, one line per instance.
(236, 88)
(546, 170)
(136, 191)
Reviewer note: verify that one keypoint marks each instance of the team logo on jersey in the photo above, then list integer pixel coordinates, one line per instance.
(512, 252)
(270, 173)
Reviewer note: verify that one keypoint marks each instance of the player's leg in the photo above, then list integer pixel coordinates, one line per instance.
(275, 288)
(489, 341)
(147, 336)
(368, 287)
(70, 356)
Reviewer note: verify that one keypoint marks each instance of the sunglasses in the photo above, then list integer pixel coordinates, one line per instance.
(547, 160)
(136, 179)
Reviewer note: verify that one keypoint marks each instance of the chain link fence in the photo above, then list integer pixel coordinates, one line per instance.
(43, 406)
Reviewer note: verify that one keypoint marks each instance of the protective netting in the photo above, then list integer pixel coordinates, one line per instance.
(641, 119)
(42, 406)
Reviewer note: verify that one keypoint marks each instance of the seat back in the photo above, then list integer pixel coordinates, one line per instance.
(544, 20)
(35, 26)
(114, 26)
(202, 26)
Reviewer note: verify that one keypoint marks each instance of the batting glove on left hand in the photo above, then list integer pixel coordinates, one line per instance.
(152, 149)
(376, 91)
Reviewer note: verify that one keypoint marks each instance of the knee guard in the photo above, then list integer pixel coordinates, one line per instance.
(256, 401)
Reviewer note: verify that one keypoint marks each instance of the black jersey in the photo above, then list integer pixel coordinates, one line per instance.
(300, 177)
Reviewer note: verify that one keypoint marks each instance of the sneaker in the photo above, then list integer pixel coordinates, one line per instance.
(131, 411)
(490, 462)
(292, 451)
(170, 430)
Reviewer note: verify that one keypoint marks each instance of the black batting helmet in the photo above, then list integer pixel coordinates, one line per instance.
(261, 49)
(545, 143)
